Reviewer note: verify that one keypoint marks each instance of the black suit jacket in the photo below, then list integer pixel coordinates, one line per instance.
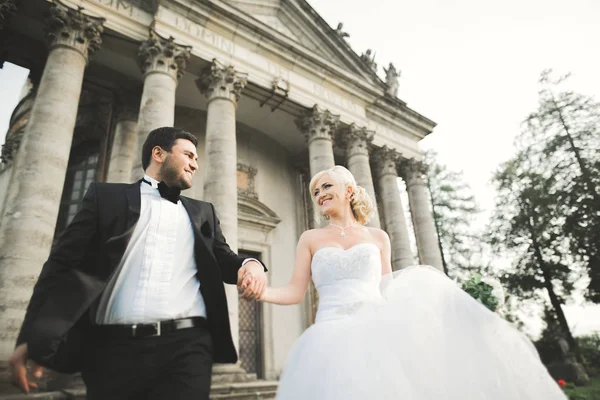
(88, 253)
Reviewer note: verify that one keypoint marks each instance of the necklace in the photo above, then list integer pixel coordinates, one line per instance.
(343, 229)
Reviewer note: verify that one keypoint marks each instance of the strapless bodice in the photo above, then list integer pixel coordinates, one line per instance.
(346, 279)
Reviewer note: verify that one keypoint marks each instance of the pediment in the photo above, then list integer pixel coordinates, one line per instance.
(298, 21)
(255, 214)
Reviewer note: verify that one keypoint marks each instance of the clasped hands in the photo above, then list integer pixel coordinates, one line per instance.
(252, 280)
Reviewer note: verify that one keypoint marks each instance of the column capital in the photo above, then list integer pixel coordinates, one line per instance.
(358, 140)
(413, 171)
(318, 123)
(127, 101)
(73, 29)
(386, 161)
(10, 147)
(220, 81)
(158, 54)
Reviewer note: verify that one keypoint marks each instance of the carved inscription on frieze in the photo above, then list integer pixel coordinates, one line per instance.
(122, 6)
(334, 98)
(202, 33)
(278, 71)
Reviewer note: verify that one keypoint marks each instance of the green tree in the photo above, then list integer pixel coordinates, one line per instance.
(562, 138)
(526, 225)
(454, 209)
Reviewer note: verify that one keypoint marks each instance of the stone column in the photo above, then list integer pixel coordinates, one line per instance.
(124, 151)
(358, 142)
(395, 224)
(163, 63)
(422, 216)
(223, 86)
(319, 126)
(31, 208)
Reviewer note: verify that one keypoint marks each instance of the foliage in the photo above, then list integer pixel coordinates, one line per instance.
(548, 210)
(481, 291)
(526, 223)
(562, 139)
(590, 391)
(454, 209)
(589, 347)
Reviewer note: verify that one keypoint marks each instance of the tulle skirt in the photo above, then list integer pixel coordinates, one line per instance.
(428, 340)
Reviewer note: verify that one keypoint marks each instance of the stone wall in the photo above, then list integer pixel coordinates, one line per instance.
(277, 186)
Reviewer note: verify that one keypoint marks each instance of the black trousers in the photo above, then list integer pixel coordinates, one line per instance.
(176, 365)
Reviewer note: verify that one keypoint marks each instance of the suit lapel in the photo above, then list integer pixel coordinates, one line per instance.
(194, 213)
(134, 203)
(197, 217)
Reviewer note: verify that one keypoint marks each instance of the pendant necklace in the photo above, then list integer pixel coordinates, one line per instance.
(343, 229)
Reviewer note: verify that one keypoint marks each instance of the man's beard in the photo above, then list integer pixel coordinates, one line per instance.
(173, 177)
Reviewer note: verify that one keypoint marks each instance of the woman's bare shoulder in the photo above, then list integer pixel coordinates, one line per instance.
(376, 232)
(312, 237)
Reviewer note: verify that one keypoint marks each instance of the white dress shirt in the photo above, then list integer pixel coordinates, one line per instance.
(156, 278)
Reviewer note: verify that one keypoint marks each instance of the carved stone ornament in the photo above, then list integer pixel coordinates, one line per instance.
(414, 172)
(391, 80)
(222, 81)
(158, 54)
(358, 138)
(386, 160)
(369, 60)
(16, 130)
(317, 123)
(11, 146)
(245, 181)
(340, 32)
(71, 28)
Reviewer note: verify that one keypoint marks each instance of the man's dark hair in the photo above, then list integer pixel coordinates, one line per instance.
(164, 137)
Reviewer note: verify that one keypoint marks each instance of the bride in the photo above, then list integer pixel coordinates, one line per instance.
(409, 335)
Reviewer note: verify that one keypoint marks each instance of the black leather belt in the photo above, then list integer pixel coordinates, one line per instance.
(151, 329)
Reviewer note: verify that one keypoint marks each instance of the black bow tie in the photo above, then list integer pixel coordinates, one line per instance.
(166, 192)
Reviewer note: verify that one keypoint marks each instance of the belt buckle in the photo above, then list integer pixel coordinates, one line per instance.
(157, 326)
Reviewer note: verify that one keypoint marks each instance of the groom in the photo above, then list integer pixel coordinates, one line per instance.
(132, 294)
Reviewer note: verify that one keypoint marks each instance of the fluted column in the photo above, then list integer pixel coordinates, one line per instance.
(223, 86)
(395, 224)
(32, 205)
(319, 126)
(358, 141)
(124, 148)
(422, 216)
(163, 63)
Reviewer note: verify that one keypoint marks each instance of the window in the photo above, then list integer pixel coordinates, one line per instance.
(83, 163)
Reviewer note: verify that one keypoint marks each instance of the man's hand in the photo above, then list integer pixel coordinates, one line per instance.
(252, 280)
(17, 369)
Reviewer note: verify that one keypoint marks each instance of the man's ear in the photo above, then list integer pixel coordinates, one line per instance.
(158, 154)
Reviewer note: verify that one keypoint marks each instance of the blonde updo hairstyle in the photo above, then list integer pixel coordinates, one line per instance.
(360, 201)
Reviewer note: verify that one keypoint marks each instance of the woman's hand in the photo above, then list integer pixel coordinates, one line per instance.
(252, 280)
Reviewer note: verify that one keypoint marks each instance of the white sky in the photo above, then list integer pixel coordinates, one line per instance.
(470, 65)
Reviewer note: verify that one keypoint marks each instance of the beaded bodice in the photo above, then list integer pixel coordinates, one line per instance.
(346, 279)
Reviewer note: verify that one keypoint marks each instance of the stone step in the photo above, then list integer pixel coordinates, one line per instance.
(36, 396)
(269, 395)
(256, 390)
(244, 387)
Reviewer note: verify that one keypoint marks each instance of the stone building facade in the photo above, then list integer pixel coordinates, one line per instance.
(274, 95)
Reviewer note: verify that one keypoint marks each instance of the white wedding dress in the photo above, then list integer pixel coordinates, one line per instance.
(419, 338)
